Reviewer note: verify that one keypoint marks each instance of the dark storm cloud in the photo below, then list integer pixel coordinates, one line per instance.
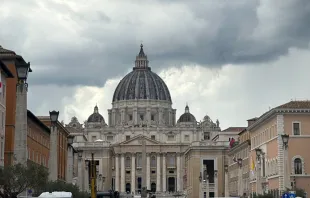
(88, 46)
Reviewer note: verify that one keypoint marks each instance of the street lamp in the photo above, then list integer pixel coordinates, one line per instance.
(54, 116)
(20, 154)
(22, 69)
(239, 162)
(70, 139)
(258, 153)
(285, 139)
(226, 168)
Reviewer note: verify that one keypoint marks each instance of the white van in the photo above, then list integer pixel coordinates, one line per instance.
(56, 194)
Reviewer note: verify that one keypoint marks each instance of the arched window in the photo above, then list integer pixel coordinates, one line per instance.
(297, 166)
(127, 163)
(153, 161)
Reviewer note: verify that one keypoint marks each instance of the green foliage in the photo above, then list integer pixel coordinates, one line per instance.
(62, 186)
(300, 192)
(17, 178)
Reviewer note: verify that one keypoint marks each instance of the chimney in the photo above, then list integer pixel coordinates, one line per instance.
(251, 121)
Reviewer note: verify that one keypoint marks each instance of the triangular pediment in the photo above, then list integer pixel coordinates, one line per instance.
(136, 140)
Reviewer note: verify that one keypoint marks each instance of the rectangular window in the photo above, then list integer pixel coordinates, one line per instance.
(109, 138)
(153, 137)
(152, 117)
(141, 117)
(296, 128)
(127, 137)
(171, 137)
(130, 117)
(186, 137)
(94, 138)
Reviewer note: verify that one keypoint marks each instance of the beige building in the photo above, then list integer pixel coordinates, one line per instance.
(238, 164)
(276, 166)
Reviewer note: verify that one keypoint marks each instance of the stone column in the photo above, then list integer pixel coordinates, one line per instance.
(133, 173)
(70, 162)
(226, 185)
(135, 116)
(113, 117)
(216, 190)
(53, 158)
(122, 173)
(158, 189)
(117, 172)
(258, 177)
(148, 172)
(20, 138)
(80, 173)
(179, 172)
(164, 173)
(86, 178)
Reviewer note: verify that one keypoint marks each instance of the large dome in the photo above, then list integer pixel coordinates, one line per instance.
(141, 83)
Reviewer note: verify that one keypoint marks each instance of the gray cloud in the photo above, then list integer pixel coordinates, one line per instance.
(73, 43)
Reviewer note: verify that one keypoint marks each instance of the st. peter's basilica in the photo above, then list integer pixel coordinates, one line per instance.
(178, 149)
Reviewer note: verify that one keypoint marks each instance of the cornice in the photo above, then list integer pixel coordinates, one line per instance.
(265, 117)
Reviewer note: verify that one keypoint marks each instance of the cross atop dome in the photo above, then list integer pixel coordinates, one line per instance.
(141, 60)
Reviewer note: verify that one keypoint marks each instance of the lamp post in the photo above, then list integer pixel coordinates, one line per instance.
(70, 161)
(20, 137)
(226, 181)
(286, 176)
(53, 159)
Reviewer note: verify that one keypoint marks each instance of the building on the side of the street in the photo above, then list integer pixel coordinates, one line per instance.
(38, 140)
(238, 164)
(204, 169)
(278, 161)
(4, 75)
(62, 146)
(8, 58)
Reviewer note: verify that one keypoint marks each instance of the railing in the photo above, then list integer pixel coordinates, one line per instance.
(91, 144)
(210, 143)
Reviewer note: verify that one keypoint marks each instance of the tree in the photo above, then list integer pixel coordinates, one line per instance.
(15, 179)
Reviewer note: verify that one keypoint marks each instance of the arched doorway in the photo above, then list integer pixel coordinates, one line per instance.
(171, 184)
(128, 187)
(153, 187)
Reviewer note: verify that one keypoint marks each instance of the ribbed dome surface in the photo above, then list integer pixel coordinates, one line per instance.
(141, 83)
(96, 116)
(187, 116)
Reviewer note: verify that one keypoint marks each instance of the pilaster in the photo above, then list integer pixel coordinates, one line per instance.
(280, 131)
(133, 173)
(117, 172)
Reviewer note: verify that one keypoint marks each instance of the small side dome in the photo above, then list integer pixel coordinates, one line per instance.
(187, 116)
(96, 116)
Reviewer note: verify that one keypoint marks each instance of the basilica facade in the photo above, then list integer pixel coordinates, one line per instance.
(142, 110)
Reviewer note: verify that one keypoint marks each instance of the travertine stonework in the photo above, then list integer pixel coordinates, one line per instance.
(142, 109)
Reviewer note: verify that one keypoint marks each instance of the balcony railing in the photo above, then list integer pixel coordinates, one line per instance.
(91, 144)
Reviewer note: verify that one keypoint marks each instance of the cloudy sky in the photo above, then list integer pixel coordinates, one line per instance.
(231, 60)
